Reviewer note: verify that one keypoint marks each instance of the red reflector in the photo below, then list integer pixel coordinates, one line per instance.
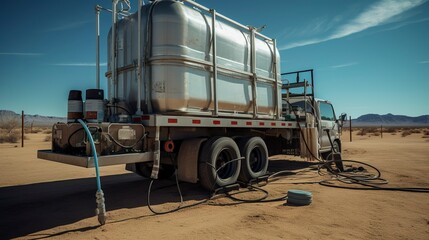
(249, 123)
(172, 120)
(91, 115)
(234, 122)
(261, 124)
(196, 121)
(283, 124)
(273, 124)
(145, 117)
(216, 122)
(289, 124)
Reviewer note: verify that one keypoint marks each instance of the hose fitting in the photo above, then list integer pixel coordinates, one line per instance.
(101, 207)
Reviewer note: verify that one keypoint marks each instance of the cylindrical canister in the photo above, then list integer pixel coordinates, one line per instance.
(74, 106)
(94, 106)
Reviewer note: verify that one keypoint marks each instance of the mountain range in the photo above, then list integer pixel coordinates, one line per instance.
(390, 120)
(35, 120)
(362, 121)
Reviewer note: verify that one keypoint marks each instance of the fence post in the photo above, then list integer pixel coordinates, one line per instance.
(22, 128)
(350, 128)
(381, 131)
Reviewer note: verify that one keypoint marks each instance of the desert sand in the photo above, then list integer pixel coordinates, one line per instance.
(42, 199)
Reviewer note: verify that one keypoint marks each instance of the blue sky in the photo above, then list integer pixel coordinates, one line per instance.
(369, 56)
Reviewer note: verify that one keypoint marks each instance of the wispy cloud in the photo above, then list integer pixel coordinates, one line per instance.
(424, 62)
(21, 53)
(67, 26)
(80, 64)
(406, 23)
(344, 65)
(375, 15)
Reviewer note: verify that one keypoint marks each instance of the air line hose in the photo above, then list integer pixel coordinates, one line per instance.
(101, 206)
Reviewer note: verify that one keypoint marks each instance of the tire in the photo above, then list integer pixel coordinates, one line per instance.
(215, 153)
(145, 170)
(255, 162)
(328, 155)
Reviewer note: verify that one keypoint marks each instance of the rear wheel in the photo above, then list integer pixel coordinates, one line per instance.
(217, 165)
(255, 162)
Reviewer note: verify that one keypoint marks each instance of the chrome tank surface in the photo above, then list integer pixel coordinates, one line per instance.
(177, 64)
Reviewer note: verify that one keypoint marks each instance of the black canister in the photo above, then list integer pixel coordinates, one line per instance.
(74, 106)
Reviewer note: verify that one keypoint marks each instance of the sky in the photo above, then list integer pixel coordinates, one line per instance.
(369, 56)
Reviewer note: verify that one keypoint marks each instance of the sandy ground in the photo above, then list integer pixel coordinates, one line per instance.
(41, 199)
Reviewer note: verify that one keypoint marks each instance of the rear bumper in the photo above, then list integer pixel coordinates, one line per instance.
(88, 162)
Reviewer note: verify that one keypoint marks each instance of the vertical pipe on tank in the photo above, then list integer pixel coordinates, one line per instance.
(139, 59)
(97, 44)
(113, 54)
(276, 87)
(253, 69)
(214, 58)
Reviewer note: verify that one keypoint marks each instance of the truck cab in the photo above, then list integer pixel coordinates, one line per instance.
(311, 112)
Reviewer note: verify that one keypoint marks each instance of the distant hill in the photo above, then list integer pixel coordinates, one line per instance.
(36, 120)
(390, 120)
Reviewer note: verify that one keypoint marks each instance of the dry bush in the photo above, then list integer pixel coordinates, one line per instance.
(370, 130)
(390, 130)
(48, 138)
(36, 130)
(10, 137)
(47, 131)
(426, 132)
(406, 133)
(415, 130)
(9, 122)
(362, 132)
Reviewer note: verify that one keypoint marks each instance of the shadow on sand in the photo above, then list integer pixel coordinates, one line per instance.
(27, 209)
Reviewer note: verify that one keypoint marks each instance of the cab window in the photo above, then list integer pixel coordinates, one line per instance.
(326, 111)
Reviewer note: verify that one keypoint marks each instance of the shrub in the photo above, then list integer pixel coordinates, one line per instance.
(362, 132)
(12, 137)
(48, 138)
(48, 131)
(406, 133)
(390, 130)
(415, 131)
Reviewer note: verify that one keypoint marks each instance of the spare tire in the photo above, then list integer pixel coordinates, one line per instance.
(217, 165)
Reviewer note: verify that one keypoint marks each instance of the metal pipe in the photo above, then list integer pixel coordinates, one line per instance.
(253, 70)
(214, 58)
(110, 10)
(224, 18)
(113, 54)
(139, 59)
(276, 79)
(97, 48)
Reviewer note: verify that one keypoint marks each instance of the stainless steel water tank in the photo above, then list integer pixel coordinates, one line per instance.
(176, 49)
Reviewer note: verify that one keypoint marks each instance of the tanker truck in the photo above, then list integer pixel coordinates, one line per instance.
(194, 92)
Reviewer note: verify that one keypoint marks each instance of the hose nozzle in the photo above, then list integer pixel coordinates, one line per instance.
(101, 207)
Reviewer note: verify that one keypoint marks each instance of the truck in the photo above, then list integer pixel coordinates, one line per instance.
(194, 92)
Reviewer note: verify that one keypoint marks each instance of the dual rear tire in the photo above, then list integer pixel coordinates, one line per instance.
(220, 162)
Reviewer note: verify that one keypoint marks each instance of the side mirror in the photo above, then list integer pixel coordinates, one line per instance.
(342, 118)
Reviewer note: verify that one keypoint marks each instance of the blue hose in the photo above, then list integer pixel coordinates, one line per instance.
(94, 152)
(101, 207)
